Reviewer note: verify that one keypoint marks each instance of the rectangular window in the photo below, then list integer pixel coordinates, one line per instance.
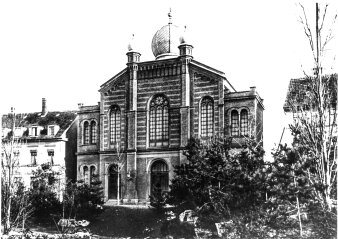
(34, 131)
(34, 153)
(16, 153)
(17, 180)
(51, 130)
(51, 156)
(34, 183)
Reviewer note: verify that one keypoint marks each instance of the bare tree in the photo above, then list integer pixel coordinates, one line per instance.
(10, 188)
(120, 164)
(313, 102)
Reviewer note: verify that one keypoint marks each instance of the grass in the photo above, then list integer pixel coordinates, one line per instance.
(119, 221)
(114, 222)
(144, 222)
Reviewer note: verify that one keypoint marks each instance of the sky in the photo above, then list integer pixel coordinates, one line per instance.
(65, 50)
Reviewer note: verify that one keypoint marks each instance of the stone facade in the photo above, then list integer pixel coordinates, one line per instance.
(149, 111)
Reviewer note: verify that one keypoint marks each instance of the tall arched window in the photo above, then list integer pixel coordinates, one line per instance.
(85, 174)
(244, 123)
(158, 123)
(91, 173)
(93, 136)
(115, 125)
(159, 176)
(86, 132)
(234, 123)
(207, 117)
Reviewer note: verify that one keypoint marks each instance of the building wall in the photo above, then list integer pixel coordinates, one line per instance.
(26, 168)
(152, 78)
(147, 88)
(204, 86)
(70, 150)
(117, 96)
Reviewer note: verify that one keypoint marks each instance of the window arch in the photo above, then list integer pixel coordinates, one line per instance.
(93, 130)
(115, 125)
(234, 123)
(159, 121)
(86, 132)
(207, 117)
(159, 176)
(244, 124)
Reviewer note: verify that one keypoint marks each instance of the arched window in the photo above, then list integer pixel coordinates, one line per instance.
(92, 172)
(85, 174)
(86, 133)
(234, 123)
(93, 136)
(158, 123)
(115, 125)
(159, 176)
(207, 117)
(244, 123)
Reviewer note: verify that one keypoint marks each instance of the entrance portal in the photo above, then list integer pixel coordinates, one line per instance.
(112, 182)
(159, 176)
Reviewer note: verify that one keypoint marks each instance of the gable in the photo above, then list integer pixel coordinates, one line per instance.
(116, 80)
(209, 73)
(298, 92)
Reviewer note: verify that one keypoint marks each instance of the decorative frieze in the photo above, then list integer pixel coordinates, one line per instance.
(155, 71)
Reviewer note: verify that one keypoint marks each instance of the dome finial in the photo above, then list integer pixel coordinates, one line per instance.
(131, 43)
(170, 16)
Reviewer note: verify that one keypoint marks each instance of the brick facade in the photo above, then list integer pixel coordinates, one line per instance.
(183, 82)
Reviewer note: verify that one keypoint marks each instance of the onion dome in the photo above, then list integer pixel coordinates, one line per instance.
(166, 41)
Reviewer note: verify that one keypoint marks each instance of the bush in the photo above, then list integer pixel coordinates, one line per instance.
(157, 198)
(43, 192)
(218, 179)
(84, 201)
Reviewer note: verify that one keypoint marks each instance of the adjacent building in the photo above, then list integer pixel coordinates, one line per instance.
(148, 112)
(302, 106)
(42, 137)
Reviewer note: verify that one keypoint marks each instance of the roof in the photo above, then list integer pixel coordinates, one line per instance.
(61, 118)
(298, 94)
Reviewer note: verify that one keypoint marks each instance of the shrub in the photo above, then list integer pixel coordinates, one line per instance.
(43, 192)
(158, 198)
(83, 201)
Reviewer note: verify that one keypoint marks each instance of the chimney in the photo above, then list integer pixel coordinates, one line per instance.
(44, 107)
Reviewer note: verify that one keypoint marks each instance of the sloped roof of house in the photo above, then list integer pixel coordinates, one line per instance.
(299, 92)
(61, 118)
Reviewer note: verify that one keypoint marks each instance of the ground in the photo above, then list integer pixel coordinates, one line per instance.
(145, 222)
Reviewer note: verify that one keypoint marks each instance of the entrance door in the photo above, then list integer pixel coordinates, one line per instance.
(112, 179)
(159, 176)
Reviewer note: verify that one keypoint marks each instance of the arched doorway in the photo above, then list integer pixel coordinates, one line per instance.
(112, 182)
(159, 176)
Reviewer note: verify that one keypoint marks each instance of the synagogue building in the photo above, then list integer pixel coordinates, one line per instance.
(148, 112)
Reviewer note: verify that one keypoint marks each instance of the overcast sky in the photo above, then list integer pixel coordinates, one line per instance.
(64, 50)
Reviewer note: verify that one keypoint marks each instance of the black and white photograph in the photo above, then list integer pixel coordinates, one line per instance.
(168, 119)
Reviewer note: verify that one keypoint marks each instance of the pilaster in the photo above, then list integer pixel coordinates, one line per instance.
(185, 100)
